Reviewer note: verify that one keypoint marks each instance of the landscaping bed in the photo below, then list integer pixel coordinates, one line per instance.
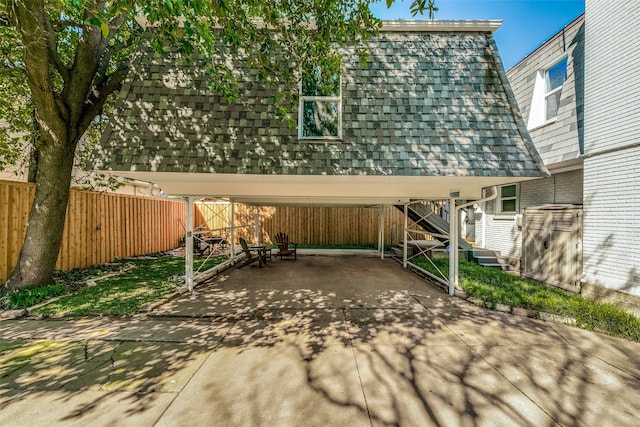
(122, 288)
(496, 289)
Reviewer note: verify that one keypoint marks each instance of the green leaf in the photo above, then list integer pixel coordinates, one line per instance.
(105, 29)
(92, 20)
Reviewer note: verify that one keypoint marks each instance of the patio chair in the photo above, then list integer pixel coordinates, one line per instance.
(252, 255)
(282, 240)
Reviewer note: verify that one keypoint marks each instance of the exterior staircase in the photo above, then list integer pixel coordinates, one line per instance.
(490, 258)
(431, 222)
(426, 217)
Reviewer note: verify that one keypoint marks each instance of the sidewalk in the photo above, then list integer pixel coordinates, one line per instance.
(298, 343)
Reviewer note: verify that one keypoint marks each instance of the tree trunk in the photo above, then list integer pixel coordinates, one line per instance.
(41, 245)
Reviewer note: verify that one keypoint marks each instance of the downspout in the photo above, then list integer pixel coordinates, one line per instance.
(454, 250)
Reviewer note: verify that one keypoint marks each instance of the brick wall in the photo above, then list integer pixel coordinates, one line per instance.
(502, 232)
(612, 139)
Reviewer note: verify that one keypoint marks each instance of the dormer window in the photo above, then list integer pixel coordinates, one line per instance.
(554, 78)
(546, 95)
(320, 105)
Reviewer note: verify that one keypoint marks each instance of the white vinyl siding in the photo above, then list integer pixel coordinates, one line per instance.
(557, 140)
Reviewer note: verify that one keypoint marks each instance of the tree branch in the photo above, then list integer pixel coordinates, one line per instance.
(83, 70)
(30, 19)
(53, 53)
(95, 103)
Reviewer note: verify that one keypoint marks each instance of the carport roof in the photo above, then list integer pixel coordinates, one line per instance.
(431, 113)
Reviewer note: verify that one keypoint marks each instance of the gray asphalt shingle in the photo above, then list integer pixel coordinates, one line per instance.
(427, 104)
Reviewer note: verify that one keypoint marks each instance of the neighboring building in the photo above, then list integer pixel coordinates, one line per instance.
(579, 94)
(548, 85)
(612, 146)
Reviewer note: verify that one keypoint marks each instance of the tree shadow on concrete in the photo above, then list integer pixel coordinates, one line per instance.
(349, 353)
(400, 357)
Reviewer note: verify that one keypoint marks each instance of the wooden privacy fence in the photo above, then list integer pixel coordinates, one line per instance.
(98, 226)
(102, 226)
(305, 225)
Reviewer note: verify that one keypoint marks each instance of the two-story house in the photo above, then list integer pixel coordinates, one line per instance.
(429, 116)
(578, 93)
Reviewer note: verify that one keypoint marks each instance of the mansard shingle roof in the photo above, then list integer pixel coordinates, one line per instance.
(427, 104)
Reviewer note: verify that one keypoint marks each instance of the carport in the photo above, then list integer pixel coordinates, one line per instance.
(430, 117)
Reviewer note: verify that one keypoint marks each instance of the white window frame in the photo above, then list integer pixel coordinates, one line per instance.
(551, 92)
(500, 199)
(307, 98)
(538, 109)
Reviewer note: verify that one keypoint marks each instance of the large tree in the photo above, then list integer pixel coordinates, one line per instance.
(73, 56)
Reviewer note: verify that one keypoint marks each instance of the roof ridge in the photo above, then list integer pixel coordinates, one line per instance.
(421, 25)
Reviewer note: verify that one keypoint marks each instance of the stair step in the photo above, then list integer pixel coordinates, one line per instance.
(487, 258)
(492, 265)
(485, 253)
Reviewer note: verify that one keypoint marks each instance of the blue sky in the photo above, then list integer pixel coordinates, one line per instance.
(526, 23)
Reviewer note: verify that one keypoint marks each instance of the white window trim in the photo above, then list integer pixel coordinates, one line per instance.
(538, 109)
(499, 200)
(552, 91)
(301, 101)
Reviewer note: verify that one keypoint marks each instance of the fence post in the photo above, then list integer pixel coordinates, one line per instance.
(257, 225)
(381, 232)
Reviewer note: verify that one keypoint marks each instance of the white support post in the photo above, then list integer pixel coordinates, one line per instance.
(257, 226)
(406, 236)
(381, 232)
(188, 256)
(233, 231)
(453, 246)
(453, 231)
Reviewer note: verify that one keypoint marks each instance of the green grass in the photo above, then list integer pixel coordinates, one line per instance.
(497, 287)
(125, 294)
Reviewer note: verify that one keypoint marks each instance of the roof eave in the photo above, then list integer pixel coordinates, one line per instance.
(402, 25)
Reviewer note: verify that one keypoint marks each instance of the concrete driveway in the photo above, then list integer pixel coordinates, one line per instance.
(318, 341)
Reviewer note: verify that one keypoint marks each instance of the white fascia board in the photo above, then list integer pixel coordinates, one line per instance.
(318, 189)
(402, 25)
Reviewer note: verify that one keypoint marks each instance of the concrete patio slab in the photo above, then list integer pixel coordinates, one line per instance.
(317, 341)
(272, 385)
(52, 329)
(398, 328)
(572, 386)
(440, 385)
(81, 409)
(618, 352)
